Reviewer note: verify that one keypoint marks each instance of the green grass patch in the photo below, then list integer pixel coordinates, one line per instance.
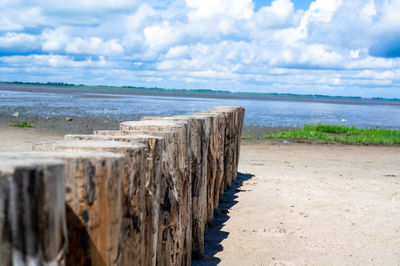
(340, 134)
(248, 137)
(22, 124)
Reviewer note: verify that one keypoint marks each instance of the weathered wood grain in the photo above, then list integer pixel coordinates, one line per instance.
(152, 163)
(199, 129)
(215, 187)
(142, 195)
(124, 197)
(169, 233)
(228, 145)
(32, 210)
(236, 128)
(242, 113)
(87, 175)
(175, 240)
(167, 205)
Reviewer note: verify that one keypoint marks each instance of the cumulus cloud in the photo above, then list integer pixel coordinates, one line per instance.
(56, 61)
(62, 40)
(94, 45)
(13, 39)
(344, 47)
(387, 31)
(18, 18)
(205, 9)
(77, 6)
(54, 40)
(280, 13)
(160, 36)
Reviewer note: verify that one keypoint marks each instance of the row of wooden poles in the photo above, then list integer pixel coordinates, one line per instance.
(141, 195)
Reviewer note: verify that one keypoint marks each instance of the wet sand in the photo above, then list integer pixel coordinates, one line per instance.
(293, 204)
(46, 129)
(83, 125)
(60, 124)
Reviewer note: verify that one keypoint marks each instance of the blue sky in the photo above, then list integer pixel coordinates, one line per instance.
(331, 47)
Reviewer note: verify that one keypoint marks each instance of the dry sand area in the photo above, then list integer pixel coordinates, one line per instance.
(310, 205)
(22, 139)
(297, 204)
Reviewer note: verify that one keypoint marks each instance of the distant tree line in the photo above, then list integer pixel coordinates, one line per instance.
(272, 94)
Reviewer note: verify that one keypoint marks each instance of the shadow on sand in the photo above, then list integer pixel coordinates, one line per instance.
(215, 234)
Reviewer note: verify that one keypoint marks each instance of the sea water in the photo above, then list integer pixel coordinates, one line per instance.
(259, 112)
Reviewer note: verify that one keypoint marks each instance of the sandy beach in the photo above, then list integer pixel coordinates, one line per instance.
(303, 204)
(295, 204)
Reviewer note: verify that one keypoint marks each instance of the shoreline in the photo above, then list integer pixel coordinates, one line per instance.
(62, 124)
(86, 125)
(262, 117)
(59, 126)
(56, 127)
(119, 92)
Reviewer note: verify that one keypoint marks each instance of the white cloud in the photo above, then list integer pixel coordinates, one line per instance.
(389, 16)
(376, 74)
(13, 39)
(54, 40)
(220, 57)
(288, 36)
(94, 45)
(79, 6)
(369, 11)
(304, 56)
(205, 9)
(160, 36)
(135, 21)
(355, 54)
(18, 19)
(336, 44)
(279, 13)
(56, 61)
(320, 11)
(370, 62)
(60, 39)
(177, 52)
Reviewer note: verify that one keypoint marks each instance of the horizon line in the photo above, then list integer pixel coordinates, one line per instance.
(63, 84)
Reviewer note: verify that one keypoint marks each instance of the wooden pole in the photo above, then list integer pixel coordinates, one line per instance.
(228, 146)
(199, 128)
(236, 126)
(216, 167)
(124, 198)
(139, 196)
(175, 240)
(153, 165)
(32, 210)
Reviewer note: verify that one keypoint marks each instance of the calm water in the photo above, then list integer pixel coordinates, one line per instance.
(269, 113)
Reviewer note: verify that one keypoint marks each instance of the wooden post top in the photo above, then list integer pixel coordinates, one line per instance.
(157, 124)
(174, 118)
(88, 145)
(11, 160)
(117, 136)
(226, 107)
(41, 155)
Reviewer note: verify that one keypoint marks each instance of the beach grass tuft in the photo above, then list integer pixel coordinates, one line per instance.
(322, 133)
(248, 137)
(22, 124)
